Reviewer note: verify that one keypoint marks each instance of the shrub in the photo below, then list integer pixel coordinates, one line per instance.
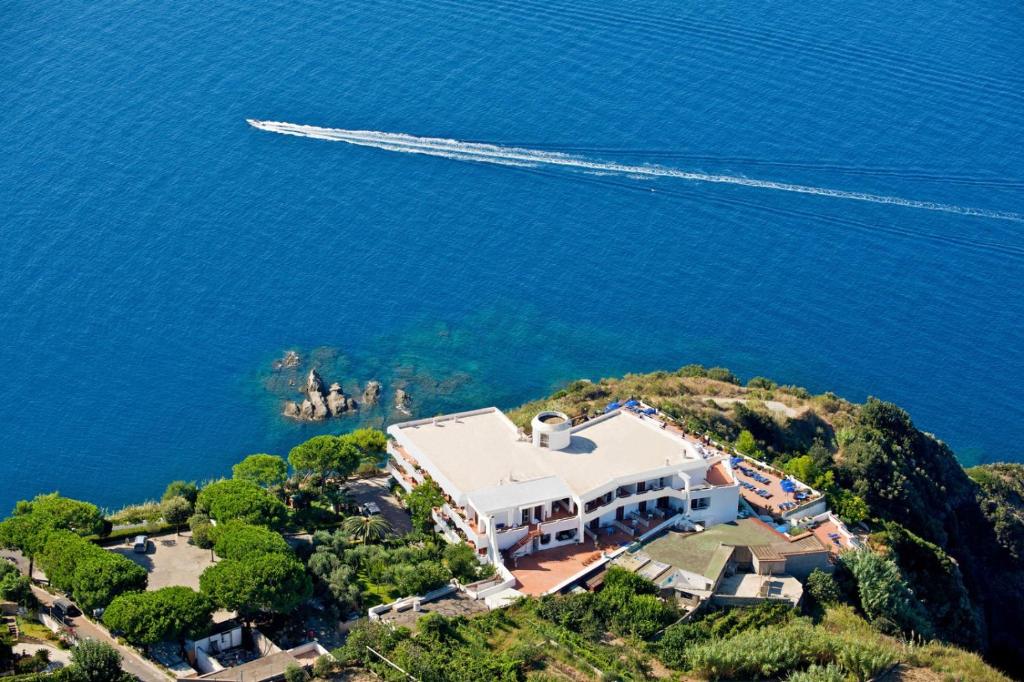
(817, 673)
(462, 562)
(418, 579)
(203, 532)
(769, 652)
(722, 374)
(576, 612)
(884, 595)
(823, 587)
(187, 489)
(762, 382)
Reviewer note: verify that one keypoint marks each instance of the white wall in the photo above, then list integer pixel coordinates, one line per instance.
(724, 502)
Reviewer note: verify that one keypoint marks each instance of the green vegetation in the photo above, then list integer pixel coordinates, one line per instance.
(176, 511)
(32, 522)
(269, 583)
(353, 574)
(167, 614)
(268, 471)
(367, 529)
(90, 575)
(188, 490)
(240, 541)
(14, 586)
(93, 661)
(324, 457)
(423, 499)
(235, 500)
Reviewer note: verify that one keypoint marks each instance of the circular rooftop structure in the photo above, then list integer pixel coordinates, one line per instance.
(552, 430)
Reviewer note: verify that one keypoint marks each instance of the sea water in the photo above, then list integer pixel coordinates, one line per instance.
(157, 254)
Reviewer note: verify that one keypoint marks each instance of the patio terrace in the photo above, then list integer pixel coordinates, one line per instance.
(539, 572)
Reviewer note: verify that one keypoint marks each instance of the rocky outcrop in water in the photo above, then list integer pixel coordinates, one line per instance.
(319, 404)
(402, 401)
(290, 360)
(371, 394)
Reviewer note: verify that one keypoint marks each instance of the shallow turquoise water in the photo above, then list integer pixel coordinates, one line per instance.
(158, 253)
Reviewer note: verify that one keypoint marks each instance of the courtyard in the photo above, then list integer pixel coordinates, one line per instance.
(170, 560)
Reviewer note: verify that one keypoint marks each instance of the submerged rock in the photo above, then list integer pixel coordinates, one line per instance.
(291, 360)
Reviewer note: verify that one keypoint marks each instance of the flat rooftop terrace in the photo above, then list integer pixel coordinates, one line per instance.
(482, 449)
(699, 552)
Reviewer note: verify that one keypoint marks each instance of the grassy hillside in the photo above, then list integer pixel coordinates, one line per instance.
(957, 537)
(542, 640)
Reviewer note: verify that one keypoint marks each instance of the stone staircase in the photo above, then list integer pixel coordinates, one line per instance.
(525, 540)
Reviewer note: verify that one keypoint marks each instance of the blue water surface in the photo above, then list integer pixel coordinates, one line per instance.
(158, 254)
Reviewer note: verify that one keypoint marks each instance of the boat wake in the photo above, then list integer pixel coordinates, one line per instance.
(535, 158)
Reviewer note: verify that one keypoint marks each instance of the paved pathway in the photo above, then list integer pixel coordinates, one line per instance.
(376, 490)
(131, 661)
(62, 656)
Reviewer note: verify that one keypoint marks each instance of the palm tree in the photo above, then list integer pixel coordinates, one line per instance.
(367, 529)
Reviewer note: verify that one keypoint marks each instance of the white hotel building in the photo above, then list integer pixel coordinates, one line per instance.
(515, 494)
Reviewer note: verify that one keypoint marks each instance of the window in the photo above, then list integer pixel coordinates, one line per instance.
(700, 503)
(544, 440)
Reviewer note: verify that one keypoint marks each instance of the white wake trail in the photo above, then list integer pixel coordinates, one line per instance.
(518, 156)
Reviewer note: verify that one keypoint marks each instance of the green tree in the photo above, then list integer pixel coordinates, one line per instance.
(262, 469)
(14, 586)
(102, 576)
(32, 523)
(848, 506)
(746, 444)
(204, 533)
(82, 518)
(240, 541)
(187, 489)
(422, 501)
(26, 533)
(367, 529)
(802, 469)
(823, 587)
(95, 661)
(462, 562)
(176, 511)
(230, 500)
(271, 583)
(371, 443)
(167, 614)
(325, 456)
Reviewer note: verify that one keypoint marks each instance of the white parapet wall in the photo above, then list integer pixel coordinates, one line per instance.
(411, 602)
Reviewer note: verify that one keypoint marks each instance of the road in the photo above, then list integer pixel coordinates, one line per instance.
(131, 661)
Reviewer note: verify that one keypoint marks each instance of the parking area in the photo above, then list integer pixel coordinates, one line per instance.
(378, 490)
(170, 560)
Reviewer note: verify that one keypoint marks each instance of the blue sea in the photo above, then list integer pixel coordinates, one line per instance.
(157, 254)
